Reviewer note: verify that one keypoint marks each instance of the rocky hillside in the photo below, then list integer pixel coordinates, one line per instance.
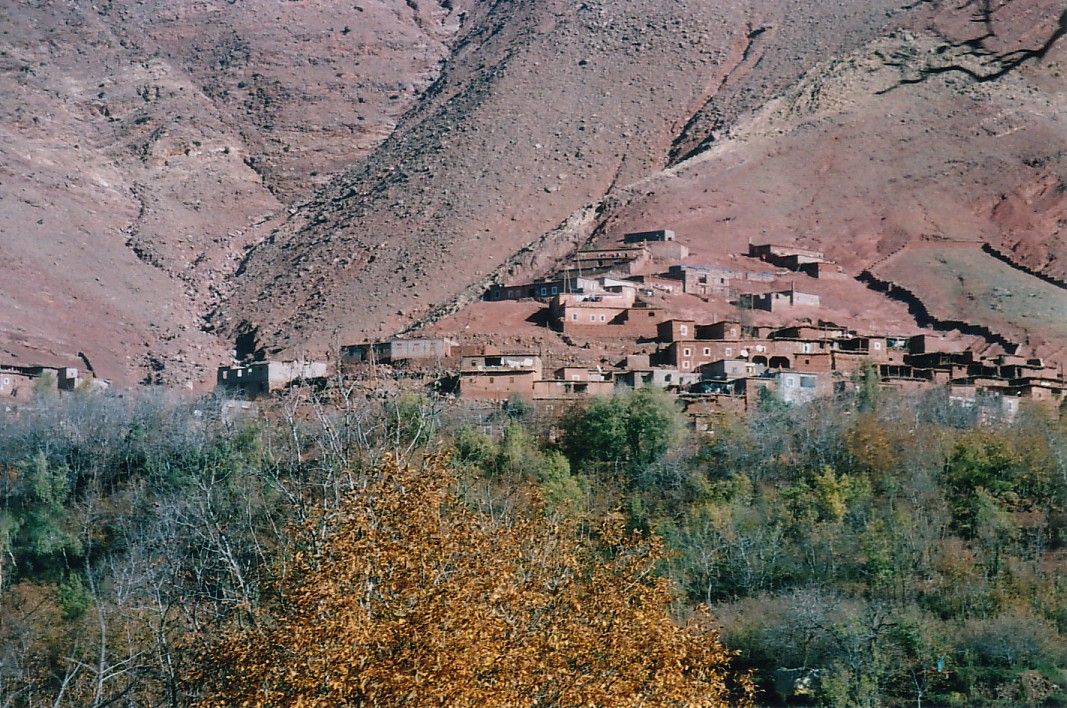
(950, 128)
(542, 108)
(854, 127)
(173, 175)
(144, 145)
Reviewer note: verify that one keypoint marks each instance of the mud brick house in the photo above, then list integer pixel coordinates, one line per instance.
(262, 378)
(40, 378)
(590, 309)
(21, 382)
(397, 350)
(820, 331)
(691, 355)
(796, 387)
(702, 280)
(517, 291)
(638, 321)
(793, 387)
(691, 346)
(808, 348)
(68, 378)
(706, 406)
(564, 282)
(875, 349)
(561, 390)
(608, 314)
(491, 378)
(730, 369)
(778, 301)
(678, 330)
(624, 258)
(659, 235)
(823, 270)
(660, 243)
(573, 384)
(790, 257)
(579, 373)
(16, 385)
(942, 366)
(657, 377)
(1017, 367)
(923, 343)
(653, 283)
(1040, 388)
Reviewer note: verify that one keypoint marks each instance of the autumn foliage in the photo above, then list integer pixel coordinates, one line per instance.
(405, 594)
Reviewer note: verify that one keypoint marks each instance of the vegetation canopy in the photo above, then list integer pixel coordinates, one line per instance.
(867, 550)
(405, 594)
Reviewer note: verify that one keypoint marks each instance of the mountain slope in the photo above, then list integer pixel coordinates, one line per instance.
(173, 175)
(141, 142)
(946, 130)
(543, 107)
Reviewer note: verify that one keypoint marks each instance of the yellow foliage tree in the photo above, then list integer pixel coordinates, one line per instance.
(407, 596)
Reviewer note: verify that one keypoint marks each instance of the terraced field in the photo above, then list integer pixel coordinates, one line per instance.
(963, 283)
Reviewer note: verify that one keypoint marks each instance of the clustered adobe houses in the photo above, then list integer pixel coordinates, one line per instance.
(21, 383)
(260, 378)
(722, 363)
(500, 377)
(608, 295)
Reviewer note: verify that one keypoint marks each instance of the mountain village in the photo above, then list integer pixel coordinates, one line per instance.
(623, 293)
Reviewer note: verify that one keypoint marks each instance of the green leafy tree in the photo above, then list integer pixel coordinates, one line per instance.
(46, 531)
(867, 387)
(635, 428)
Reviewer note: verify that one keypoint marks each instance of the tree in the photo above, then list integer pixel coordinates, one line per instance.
(405, 595)
(867, 382)
(635, 428)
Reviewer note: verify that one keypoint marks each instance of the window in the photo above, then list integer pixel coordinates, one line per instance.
(790, 381)
(602, 318)
(807, 382)
(687, 352)
(555, 290)
(807, 347)
(574, 316)
(685, 364)
(707, 351)
(729, 351)
(683, 329)
(877, 345)
(544, 291)
(7, 381)
(592, 318)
